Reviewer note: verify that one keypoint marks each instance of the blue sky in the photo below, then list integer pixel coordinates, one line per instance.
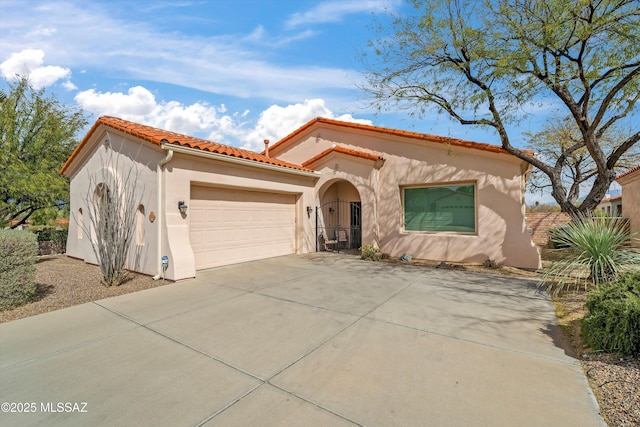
(233, 71)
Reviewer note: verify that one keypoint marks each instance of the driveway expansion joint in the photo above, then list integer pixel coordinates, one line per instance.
(302, 369)
(170, 338)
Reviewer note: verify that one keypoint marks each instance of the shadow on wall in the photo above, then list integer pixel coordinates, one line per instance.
(501, 236)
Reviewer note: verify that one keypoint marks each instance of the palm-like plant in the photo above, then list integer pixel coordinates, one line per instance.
(599, 252)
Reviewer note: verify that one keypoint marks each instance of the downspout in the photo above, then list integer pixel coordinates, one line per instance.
(160, 216)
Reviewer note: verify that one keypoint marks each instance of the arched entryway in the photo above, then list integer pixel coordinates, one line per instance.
(339, 217)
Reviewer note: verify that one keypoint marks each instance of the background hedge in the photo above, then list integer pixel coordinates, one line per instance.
(58, 238)
(18, 250)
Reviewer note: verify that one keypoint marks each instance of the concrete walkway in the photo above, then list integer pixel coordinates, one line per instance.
(315, 340)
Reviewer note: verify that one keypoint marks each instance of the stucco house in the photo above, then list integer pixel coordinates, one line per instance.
(611, 206)
(328, 185)
(630, 183)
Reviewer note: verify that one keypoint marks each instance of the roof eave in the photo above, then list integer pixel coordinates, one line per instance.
(629, 173)
(394, 132)
(237, 160)
(364, 156)
(78, 149)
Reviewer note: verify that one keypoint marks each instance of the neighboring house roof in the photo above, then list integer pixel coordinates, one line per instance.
(611, 199)
(343, 150)
(158, 136)
(394, 132)
(16, 221)
(629, 172)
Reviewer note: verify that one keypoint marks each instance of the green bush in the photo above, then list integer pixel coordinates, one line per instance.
(613, 322)
(18, 250)
(58, 238)
(371, 253)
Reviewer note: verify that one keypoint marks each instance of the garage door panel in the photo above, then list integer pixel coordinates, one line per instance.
(230, 226)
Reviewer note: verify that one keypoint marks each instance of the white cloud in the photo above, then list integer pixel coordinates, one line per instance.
(277, 122)
(203, 120)
(335, 11)
(140, 105)
(28, 63)
(88, 35)
(138, 102)
(69, 86)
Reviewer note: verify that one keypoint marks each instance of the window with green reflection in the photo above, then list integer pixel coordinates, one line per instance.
(449, 208)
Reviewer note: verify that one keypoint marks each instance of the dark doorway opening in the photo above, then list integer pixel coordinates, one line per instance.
(338, 225)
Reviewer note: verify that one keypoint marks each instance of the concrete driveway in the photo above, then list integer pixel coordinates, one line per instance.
(315, 340)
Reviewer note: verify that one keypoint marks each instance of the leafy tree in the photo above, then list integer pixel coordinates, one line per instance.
(483, 62)
(37, 135)
(44, 216)
(559, 143)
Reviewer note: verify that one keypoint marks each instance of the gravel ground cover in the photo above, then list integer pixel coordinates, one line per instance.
(615, 380)
(65, 282)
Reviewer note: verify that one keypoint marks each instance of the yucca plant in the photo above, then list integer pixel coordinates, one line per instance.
(598, 252)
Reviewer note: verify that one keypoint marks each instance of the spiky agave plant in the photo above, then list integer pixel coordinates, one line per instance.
(599, 252)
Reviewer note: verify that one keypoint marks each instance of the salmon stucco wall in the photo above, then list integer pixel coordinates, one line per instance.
(128, 154)
(501, 234)
(184, 171)
(631, 201)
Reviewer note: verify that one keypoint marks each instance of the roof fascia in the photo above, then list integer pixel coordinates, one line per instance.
(235, 160)
(629, 175)
(90, 144)
(293, 138)
(83, 151)
(332, 153)
(301, 133)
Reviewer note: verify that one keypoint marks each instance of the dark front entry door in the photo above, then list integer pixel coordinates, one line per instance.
(355, 226)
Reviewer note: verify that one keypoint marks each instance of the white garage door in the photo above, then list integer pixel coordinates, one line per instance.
(231, 226)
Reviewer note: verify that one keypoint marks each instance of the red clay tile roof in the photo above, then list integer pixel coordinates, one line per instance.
(158, 136)
(396, 132)
(343, 150)
(629, 172)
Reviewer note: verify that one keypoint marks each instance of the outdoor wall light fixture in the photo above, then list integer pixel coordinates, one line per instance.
(182, 207)
(331, 210)
(309, 210)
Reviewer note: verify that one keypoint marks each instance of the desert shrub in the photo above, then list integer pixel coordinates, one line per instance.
(613, 321)
(112, 200)
(492, 264)
(18, 250)
(371, 253)
(58, 238)
(598, 254)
